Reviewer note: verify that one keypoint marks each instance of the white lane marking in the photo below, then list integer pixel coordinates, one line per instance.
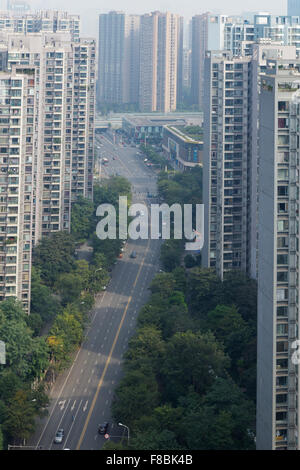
(85, 406)
(73, 406)
(61, 404)
(73, 421)
(59, 425)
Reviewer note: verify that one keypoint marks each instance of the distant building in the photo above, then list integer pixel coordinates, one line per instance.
(181, 149)
(118, 58)
(293, 8)
(18, 6)
(140, 128)
(161, 42)
(207, 34)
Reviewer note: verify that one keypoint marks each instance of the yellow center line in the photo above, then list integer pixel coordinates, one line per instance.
(109, 358)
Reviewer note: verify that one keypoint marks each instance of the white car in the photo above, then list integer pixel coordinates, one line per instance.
(59, 436)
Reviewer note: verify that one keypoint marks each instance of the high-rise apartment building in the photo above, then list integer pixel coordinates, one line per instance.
(293, 7)
(51, 164)
(226, 163)
(118, 66)
(278, 257)
(237, 34)
(18, 112)
(18, 7)
(50, 21)
(230, 167)
(65, 145)
(186, 68)
(161, 37)
(207, 34)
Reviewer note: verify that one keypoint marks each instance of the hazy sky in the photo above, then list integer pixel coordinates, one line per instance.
(187, 8)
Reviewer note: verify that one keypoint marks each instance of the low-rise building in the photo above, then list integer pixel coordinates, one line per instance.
(183, 150)
(141, 128)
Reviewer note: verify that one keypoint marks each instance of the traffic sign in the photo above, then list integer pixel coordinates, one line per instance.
(106, 436)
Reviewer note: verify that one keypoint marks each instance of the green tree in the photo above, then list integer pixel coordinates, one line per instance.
(192, 359)
(205, 290)
(43, 302)
(54, 255)
(82, 219)
(20, 423)
(171, 252)
(146, 349)
(1, 439)
(136, 395)
(69, 286)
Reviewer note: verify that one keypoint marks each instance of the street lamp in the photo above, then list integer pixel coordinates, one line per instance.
(124, 426)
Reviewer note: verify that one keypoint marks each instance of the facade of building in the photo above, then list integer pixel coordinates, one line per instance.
(237, 34)
(57, 144)
(186, 69)
(183, 151)
(278, 255)
(140, 129)
(50, 21)
(293, 8)
(207, 34)
(18, 111)
(161, 40)
(66, 77)
(231, 164)
(118, 65)
(226, 161)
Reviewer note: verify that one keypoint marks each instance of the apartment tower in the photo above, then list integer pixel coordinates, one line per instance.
(161, 41)
(118, 66)
(278, 258)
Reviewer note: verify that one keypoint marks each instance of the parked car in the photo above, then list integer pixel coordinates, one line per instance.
(133, 254)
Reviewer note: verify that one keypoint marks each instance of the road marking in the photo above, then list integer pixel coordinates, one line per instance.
(62, 404)
(73, 406)
(73, 421)
(85, 406)
(59, 425)
(109, 356)
(68, 375)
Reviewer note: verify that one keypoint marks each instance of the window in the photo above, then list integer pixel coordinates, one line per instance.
(282, 346)
(282, 259)
(282, 329)
(282, 311)
(282, 276)
(282, 225)
(281, 381)
(282, 398)
(282, 191)
(283, 174)
(281, 416)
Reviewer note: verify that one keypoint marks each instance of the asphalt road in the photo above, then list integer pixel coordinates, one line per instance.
(82, 395)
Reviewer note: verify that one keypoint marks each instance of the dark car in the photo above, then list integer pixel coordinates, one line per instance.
(133, 254)
(59, 436)
(103, 428)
